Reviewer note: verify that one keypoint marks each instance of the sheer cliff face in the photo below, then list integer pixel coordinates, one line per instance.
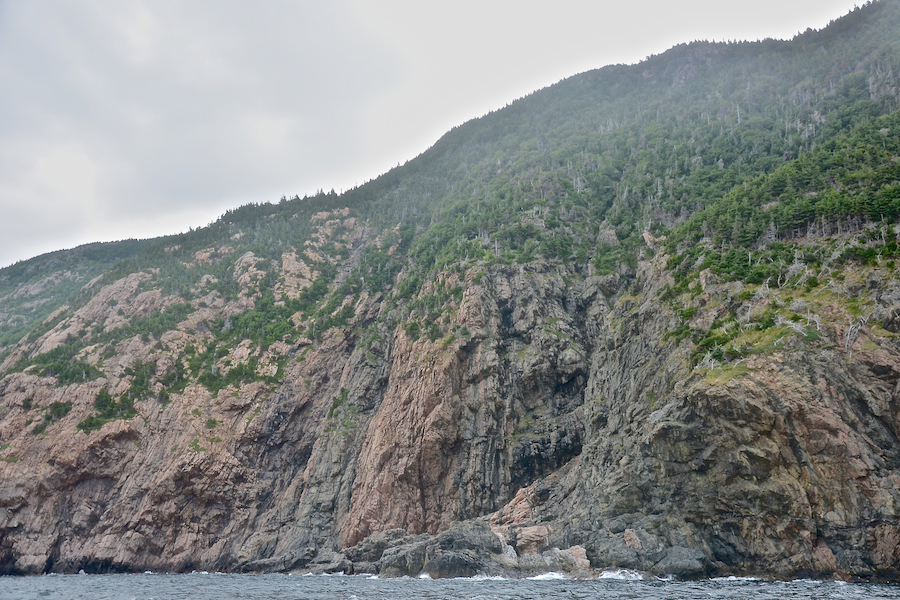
(464, 424)
(562, 412)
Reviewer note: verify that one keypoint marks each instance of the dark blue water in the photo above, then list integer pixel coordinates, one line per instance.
(202, 586)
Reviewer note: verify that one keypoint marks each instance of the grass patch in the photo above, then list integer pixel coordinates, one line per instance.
(557, 333)
(724, 374)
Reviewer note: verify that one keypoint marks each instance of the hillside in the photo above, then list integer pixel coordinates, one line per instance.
(648, 317)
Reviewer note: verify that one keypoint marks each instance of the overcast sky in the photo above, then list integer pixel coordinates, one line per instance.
(124, 119)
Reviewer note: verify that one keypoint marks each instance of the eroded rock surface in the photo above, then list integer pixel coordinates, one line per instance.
(564, 431)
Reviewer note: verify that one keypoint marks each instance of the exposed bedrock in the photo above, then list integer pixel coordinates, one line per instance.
(563, 431)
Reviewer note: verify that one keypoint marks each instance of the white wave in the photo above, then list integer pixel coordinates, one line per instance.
(734, 578)
(622, 574)
(372, 577)
(424, 576)
(547, 576)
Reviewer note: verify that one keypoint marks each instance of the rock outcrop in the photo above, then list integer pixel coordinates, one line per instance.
(562, 431)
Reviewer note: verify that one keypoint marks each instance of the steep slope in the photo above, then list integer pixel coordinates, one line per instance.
(31, 290)
(645, 318)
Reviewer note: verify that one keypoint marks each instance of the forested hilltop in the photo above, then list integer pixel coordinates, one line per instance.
(648, 317)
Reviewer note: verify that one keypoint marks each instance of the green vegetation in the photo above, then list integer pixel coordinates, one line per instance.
(204, 366)
(107, 409)
(153, 326)
(52, 414)
(33, 289)
(755, 233)
(337, 402)
(61, 363)
(141, 380)
(775, 164)
(174, 380)
(341, 416)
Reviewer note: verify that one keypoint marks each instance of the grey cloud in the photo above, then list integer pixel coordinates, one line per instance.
(121, 112)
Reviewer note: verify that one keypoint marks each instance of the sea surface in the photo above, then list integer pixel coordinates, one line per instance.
(616, 585)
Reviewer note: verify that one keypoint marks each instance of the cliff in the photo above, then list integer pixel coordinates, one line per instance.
(562, 419)
(467, 368)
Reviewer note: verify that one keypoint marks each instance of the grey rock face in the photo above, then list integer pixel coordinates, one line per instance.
(566, 431)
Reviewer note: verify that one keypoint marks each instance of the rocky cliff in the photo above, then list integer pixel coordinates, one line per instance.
(562, 426)
(555, 341)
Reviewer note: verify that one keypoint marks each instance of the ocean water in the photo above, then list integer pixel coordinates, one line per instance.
(615, 585)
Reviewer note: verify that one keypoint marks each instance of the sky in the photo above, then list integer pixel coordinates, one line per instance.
(123, 119)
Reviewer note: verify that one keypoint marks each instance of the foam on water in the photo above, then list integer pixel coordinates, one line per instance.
(548, 576)
(618, 584)
(622, 574)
